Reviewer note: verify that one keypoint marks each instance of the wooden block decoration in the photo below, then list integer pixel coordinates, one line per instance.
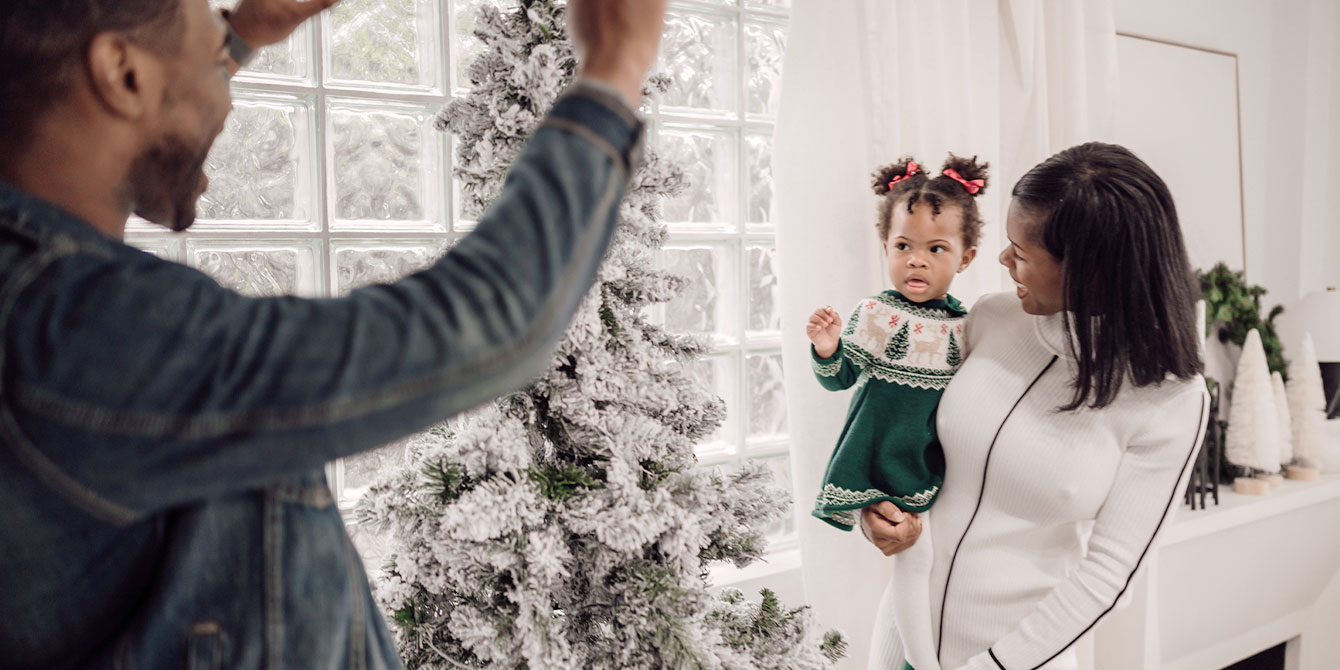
(1251, 486)
(1302, 474)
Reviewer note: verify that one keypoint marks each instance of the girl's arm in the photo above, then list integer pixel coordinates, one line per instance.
(1150, 479)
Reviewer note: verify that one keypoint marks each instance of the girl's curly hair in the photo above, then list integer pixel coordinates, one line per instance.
(893, 183)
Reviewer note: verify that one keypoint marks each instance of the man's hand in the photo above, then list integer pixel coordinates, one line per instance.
(890, 529)
(261, 23)
(616, 41)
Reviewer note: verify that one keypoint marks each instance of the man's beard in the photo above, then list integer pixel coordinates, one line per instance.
(165, 182)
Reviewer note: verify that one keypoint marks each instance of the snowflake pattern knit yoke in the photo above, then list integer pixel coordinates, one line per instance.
(900, 356)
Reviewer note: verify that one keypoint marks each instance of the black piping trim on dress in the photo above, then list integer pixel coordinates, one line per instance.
(993, 658)
(939, 639)
(1175, 493)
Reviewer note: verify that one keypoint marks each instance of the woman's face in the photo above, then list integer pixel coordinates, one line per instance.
(1036, 273)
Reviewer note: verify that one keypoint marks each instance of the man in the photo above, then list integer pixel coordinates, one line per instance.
(162, 503)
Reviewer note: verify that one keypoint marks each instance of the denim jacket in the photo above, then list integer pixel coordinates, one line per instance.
(162, 501)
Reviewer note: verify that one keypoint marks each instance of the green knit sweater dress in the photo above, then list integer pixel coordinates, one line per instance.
(900, 356)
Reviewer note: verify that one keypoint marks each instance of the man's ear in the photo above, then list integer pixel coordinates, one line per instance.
(126, 79)
(968, 255)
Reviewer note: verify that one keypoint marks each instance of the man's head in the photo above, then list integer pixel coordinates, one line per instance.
(147, 79)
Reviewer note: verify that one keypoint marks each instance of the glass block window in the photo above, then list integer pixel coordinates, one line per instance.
(717, 120)
(329, 176)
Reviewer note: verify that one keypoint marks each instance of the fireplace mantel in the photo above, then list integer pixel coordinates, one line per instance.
(1230, 581)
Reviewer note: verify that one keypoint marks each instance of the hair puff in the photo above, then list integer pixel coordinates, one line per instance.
(884, 175)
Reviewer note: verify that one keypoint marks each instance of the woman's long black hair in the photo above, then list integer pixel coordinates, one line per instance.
(1129, 291)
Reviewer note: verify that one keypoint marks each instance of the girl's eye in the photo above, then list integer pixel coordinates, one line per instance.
(938, 249)
(901, 246)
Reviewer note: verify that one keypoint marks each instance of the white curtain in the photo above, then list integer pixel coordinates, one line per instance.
(867, 81)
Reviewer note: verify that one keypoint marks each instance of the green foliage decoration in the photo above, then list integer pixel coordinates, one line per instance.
(1235, 307)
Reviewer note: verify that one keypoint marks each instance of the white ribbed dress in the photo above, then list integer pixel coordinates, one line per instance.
(1012, 583)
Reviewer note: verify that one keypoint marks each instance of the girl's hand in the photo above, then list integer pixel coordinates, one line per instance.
(890, 529)
(824, 329)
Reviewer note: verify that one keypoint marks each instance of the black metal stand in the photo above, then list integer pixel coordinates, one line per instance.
(1202, 482)
(1330, 382)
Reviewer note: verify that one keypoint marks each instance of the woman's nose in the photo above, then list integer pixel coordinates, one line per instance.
(1004, 257)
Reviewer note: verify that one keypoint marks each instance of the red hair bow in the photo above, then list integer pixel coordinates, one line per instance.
(973, 186)
(911, 170)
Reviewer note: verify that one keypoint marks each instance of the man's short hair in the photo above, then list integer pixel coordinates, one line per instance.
(43, 42)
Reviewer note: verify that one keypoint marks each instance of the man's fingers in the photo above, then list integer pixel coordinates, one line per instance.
(322, 6)
(306, 9)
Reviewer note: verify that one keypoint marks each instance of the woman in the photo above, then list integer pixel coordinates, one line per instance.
(1080, 403)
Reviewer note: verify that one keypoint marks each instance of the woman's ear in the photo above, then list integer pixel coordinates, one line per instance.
(969, 254)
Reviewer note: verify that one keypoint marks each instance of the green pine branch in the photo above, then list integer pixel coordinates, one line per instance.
(1235, 306)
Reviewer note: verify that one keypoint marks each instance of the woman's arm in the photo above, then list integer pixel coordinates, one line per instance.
(1150, 477)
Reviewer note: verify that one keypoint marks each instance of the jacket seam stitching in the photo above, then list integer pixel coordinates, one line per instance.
(274, 613)
(357, 620)
(46, 471)
(586, 133)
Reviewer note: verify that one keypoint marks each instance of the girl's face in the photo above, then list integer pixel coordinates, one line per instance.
(925, 251)
(1036, 273)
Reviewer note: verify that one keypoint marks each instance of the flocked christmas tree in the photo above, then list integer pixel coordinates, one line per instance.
(566, 526)
(1307, 408)
(1283, 423)
(1253, 432)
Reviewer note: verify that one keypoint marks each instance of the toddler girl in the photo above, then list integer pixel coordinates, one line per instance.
(901, 346)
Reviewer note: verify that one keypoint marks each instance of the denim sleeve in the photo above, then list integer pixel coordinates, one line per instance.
(135, 385)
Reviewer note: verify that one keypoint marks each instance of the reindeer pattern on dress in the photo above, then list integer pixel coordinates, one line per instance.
(926, 350)
(900, 337)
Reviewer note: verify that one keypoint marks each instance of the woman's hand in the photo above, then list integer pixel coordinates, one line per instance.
(890, 529)
(824, 328)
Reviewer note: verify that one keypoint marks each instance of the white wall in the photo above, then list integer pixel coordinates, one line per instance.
(1320, 267)
(1289, 73)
